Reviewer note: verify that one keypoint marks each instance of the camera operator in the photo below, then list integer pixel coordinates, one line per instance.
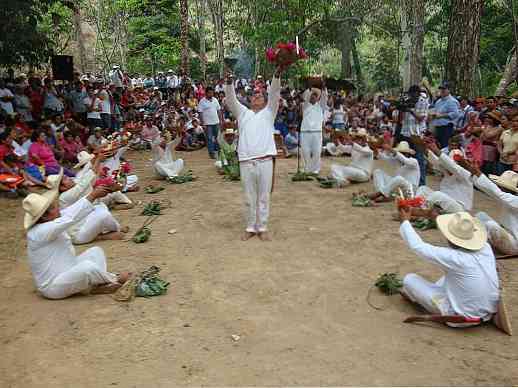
(413, 112)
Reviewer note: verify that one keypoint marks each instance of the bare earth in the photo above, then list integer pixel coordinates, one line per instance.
(298, 303)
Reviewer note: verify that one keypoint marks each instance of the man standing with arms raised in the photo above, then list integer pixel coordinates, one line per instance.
(313, 111)
(256, 151)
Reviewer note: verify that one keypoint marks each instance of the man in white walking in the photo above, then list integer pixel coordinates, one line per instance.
(313, 111)
(256, 151)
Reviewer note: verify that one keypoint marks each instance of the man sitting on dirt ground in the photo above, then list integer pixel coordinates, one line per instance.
(360, 168)
(406, 177)
(470, 287)
(57, 271)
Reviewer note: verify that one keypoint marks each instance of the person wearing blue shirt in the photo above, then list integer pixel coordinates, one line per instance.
(445, 114)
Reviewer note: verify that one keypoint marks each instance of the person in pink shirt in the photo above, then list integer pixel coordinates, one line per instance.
(40, 154)
(149, 132)
(71, 147)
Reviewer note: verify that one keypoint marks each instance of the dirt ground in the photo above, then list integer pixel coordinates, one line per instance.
(298, 303)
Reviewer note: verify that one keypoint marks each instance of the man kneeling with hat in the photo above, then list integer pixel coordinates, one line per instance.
(57, 271)
(470, 287)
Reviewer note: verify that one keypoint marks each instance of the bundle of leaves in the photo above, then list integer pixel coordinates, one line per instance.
(328, 183)
(231, 172)
(151, 286)
(179, 179)
(142, 235)
(302, 176)
(152, 189)
(146, 284)
(389, 283)
(152, 208)
(362, 201)
(424, 224)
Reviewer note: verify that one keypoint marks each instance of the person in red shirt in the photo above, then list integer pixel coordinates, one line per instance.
(35, 94)
(71, 147)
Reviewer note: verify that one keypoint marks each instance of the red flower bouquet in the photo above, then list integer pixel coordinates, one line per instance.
(411, 202)
(285, 54)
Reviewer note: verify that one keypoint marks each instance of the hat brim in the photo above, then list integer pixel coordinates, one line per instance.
(405, 150)
(504, 184)
(49, 196)
(84, 161)
(474, 244)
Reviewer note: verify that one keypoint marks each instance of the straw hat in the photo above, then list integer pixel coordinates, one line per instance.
(404, 148)
(35, 205)
(508, 180)
(229, 131)
(83, 157)
(463, 230)
(362, 132)
(316, 91)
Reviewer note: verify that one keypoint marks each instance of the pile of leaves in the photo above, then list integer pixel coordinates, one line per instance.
(142, 235)
(302, 176)
(179, 179)
(145, 284)
(362, 201)
(327, 183)
(389, 283)
(231, 172)
(152, 208)
(153, 189)
(424, 224)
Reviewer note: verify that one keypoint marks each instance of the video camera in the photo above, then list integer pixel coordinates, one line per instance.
(406, 102)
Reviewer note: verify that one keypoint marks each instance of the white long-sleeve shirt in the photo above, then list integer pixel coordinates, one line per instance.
(471, 281)
(508, 203)
(255, 128)
(362, 157)
(82, 188)
(408, 167)
(313, 114)
(49, 247)
(458, 183)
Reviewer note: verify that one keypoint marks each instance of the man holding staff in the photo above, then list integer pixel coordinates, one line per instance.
(256, 151)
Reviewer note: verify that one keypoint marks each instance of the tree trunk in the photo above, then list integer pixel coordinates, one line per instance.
(79, 37)
(184, 36)
(463, 45)
(412, 27)
(200, 15)
(508, 76)
(217, 12)
(345, 42)
(357, 67)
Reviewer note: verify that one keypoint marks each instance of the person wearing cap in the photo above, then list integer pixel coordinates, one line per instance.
(360, 168)
(57, 271)
(212, 119)
(314, 109)
(227, 156)
(445, 113)
(406, 177)
(256, 150)
(470, 285)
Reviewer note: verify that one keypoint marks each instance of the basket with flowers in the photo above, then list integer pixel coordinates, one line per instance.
(285, 54)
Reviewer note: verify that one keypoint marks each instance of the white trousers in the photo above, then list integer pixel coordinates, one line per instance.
(338, 150)
(170, 169)
(429, 295)
(256, 180)
(386, 184)
(131, 182)
(115, 198)
(99, 221)
(90, 270)
(347, 174)
(311, 144)
(293, 151)
(499, 237)
(439, 199)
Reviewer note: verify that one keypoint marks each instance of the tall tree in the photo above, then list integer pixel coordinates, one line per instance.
(463, 45)
(200, 18)
(218, 19)
(184, 36)
(412, 30)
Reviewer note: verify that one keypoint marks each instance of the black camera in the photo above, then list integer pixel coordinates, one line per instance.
(406, 102)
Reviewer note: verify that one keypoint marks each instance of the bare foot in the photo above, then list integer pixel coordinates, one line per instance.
(123, 206)
(111, 236)
(123, 277)
(382, 198)
(108, 288)
(265, 236)
(125, 229)
(247, 236)
(133, 189)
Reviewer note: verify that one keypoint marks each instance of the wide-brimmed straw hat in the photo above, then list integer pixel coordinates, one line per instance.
(35, 205)
(362, 132)
(404, 148)
(229, 131)
(82, 158)
(463, 230)
(508, 180)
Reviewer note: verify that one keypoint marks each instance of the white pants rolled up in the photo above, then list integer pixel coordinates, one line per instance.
(499, 237)
(100, 221)
(256, 180)
(90, 271)
(439, 199)
(429, 295)
(346, 174)
(311, 144)
(386, 184)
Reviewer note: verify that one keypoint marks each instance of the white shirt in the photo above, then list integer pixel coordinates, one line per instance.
(172, 81)
(362, 158)
(255, 129)
(116, 78)
(82, 188)
(106, 104)
(471, 281)
(7, 106)
(97, 105)
(209, 110)
(456, 182)
(49, 247)
(408, 167)
(313, 114)
(508, 203)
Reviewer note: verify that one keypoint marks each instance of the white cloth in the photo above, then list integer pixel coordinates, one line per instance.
(256, 180)
(457, 182)
(51, 253)
(499, 237)
(313, 114)
(98, 222)
(311, 144)
(209, 111)
(447, 204)
(255, 129)
(338, 150)
(163, 161)
(81, 189)
(386, 184)
(347, 174)
(116, 78)
(408, 167)
(470, 282)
